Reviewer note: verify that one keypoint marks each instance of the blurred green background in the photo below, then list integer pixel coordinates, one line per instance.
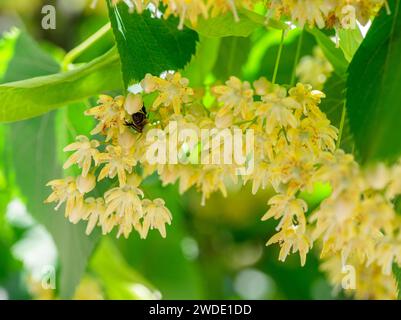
(212, 252)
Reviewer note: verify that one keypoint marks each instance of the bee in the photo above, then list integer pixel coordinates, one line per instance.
(139, 120)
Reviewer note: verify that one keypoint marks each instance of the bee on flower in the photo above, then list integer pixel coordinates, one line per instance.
(294, 148)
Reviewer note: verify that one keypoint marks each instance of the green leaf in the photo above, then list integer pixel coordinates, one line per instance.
(7, 187)
(288, 55)
(119, 279)
(149, 45)
(35, 140)
(32, 97)
(233, 53)
(225, 25)
(350, 40)
(333, 54)
(397, 275)
(203, 62)
(32, 144)
(333, 106)
(374, 89)
(8, 237)
(23, 65)
(7, 44)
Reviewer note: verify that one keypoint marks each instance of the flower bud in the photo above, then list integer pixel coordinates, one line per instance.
(126, 140)
(86, 184)
(133, 103)
(149, 83)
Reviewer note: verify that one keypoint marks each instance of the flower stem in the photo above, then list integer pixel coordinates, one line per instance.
(77, 51)
(340, 132)
(280, 49)
(297, 56)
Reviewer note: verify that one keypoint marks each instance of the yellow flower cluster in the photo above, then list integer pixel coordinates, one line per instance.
(293, 148)
(326, 13)
(291, 138)
(360, 218)
(122, 206)
(290, 132)
(364, 282)
(358, 225)
(315, 69)
(321, 13)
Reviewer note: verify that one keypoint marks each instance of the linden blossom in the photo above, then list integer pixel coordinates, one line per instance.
(217, 146)
(292, 148)
(279, 138)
